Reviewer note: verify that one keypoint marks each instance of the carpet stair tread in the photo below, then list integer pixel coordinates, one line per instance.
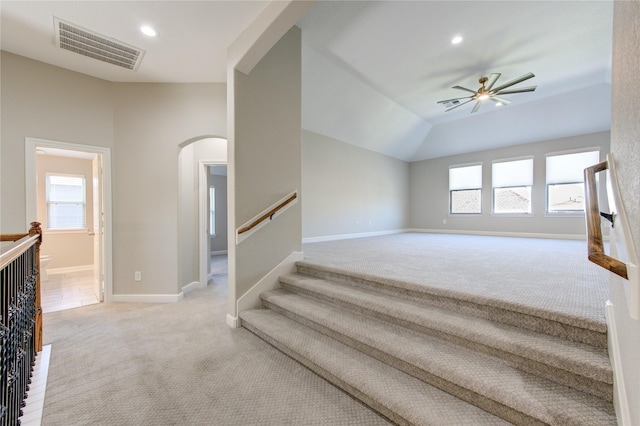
(559, 324)
(451, 367)
(577, 358)
(398, 396)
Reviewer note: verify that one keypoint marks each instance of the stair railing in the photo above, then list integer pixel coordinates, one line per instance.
(263, 218)
(20, 319)
(625, 263)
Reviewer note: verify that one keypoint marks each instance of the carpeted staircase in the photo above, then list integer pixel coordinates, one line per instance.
(425, 356)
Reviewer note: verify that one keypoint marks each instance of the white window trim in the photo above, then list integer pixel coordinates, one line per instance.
(84, 201)
(493, 201)
(481, 188)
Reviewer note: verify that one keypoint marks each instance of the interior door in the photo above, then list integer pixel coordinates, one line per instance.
(98, 228)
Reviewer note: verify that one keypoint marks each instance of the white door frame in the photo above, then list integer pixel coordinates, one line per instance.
(203, 217)
(32, 203)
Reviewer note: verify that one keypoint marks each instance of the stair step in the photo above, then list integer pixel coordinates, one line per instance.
(482, 380)
(392, 393)
(572, 364)
(568, 327)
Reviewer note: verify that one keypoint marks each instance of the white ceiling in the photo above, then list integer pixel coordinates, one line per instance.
(372, 71)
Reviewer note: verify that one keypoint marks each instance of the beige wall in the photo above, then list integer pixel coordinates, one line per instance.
(265, 158)
(150, 121)
(142, 124)
(430, 191)
(344, 184)
(46, 102)
(625, 146)
(66, 248)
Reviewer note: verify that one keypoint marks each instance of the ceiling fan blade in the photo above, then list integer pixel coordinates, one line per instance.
(464, 88)
(520, 79)
(500, 100)
(492, 80)
(522, 90)
(460, 104)
(454, 99)
(476, 106)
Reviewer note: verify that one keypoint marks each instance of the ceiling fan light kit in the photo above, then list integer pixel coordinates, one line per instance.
(488, 92)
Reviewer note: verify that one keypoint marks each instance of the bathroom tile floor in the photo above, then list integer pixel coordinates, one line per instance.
(67, 290)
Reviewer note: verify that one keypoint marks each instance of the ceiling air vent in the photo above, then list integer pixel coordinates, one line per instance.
(87, 43)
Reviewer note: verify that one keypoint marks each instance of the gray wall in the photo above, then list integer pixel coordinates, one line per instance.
(264, 159)
(625, 146)
(430, 191)
(150, 121)
(143, 125)
(45, 102)
(344, 184)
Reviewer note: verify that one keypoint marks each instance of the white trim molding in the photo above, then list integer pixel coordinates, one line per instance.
(192, 286)
(620, 394)
(233, 322)
(503, 234)
(350, 236)
(68, 269)
(147, 298)
(251, 299)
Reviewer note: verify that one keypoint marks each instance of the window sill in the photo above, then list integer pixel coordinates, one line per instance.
(66, 231)
(578, 214)
(512, 215)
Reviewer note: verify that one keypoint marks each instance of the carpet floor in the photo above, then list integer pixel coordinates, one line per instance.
(180, 364)
(530, 275)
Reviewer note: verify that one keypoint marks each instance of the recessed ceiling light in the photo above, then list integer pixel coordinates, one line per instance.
(498, 104)
(148, 31)
(456, 40)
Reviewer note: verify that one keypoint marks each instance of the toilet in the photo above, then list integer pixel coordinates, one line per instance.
(44, 261)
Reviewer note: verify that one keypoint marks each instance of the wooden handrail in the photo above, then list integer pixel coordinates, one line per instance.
(267, 215)
(595, 245)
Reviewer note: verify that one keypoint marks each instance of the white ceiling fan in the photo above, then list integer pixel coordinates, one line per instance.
(488, 92)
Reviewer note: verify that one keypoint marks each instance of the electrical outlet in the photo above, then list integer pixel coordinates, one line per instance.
(357, 224)
(444, 221)
(137, 276)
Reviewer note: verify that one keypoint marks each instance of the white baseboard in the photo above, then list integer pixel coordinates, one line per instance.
(69, 269)
(219, 252)
(251, 299)
(620, 399)
(233, 322)
(191, 286)
(502, 234)
(146, 298)
(350, 236)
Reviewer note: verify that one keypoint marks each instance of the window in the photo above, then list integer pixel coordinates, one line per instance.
(212, 211)
(512, 182)
(66, 206)
(565, 180)
(465, 189)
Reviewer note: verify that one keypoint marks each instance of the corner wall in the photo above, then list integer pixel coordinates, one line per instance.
(265, 161)
(349, 190)
(429, 191)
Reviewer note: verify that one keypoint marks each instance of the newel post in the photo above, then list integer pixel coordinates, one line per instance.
(36, 230)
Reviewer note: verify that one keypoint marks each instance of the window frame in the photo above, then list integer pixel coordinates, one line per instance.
(470, 188)
(529, 186)
(548, 211)
(48, 202)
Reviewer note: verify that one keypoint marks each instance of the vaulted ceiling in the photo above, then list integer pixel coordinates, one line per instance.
(372, 71)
